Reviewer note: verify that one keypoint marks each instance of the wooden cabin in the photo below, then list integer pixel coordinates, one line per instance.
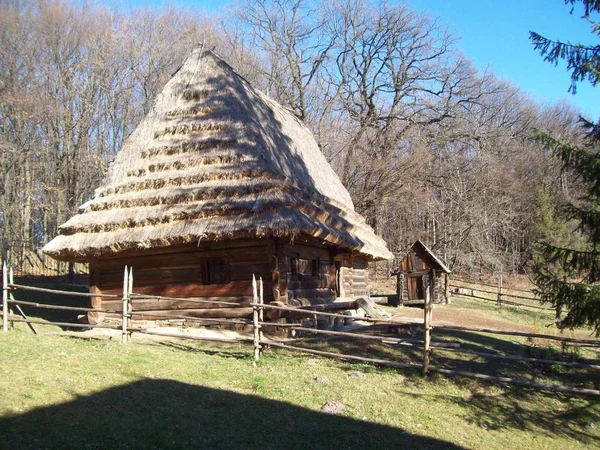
(216, 184)
(418, 269)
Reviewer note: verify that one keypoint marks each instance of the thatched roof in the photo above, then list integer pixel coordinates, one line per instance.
(215, 159)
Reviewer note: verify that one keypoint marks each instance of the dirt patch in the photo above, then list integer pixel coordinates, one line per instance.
(454, 314)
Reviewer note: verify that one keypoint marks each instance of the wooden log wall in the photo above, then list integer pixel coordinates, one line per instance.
(439, 286)
(296, 274)
(308, 274)
(354, 276)
(181, 272)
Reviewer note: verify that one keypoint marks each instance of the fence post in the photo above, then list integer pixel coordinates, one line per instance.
(428, 287)
(261, 314)
(130, 302)
(4, 297)
(400, 289)
(500, 291)
(11, 280)
(125, 305)
(255, 319)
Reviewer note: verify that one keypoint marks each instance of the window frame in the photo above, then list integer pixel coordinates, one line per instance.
(206, 270)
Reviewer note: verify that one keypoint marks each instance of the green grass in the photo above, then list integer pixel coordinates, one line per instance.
(59, 391)
(514, 314)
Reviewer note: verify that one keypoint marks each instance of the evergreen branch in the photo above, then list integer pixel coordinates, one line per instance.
(582, 61)
(574, 262)
(588, 221)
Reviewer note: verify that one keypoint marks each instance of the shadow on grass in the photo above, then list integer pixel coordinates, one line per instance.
(223, 350)
(520, 410)
(168, 414)
(524, 410)
(570, 376)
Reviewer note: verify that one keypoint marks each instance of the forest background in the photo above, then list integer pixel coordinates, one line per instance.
(429, 146)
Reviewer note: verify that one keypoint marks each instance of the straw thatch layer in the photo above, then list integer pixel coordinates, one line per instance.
(215, 159)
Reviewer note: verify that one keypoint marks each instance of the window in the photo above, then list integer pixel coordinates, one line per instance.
(215, 271)
(315, 267)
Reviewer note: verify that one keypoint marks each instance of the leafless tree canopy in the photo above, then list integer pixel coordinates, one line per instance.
(428, 146)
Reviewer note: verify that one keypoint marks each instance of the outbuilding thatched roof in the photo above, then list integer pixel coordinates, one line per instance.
(215, 159)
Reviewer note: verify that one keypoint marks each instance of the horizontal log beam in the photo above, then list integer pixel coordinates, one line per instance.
(160, 303)
(62, 324)
(190, 318)
(191, 337)
(229, 313)
(60, 307)
(383, 339)
(56, 291)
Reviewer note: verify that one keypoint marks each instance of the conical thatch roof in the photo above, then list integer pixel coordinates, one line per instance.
(215, 159)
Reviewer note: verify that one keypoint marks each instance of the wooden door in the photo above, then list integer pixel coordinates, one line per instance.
(415, 288)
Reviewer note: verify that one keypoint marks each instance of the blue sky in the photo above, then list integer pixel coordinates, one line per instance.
(494, 34)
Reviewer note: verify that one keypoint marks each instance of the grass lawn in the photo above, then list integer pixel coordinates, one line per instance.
(61, 391)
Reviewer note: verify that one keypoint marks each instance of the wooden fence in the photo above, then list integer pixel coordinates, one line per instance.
(261, 343)
(496, 293)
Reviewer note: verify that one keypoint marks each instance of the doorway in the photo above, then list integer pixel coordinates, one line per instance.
(415, 288)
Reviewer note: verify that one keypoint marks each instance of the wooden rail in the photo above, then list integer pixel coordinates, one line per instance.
(190, 300)
(56, 291)
(308, 312)
(60, 307)
(191, 337)
(368, 337)
(14, 318)
(383, 362)
(462, 280)
(191, 318)
(507, 302)
(503, 292)
(518, 333)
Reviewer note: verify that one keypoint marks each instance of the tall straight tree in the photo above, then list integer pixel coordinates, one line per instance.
(571, 277)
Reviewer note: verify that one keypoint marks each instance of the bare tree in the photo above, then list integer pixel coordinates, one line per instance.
(289, 35)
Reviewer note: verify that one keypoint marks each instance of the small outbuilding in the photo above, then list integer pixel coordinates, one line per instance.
(417, 270)
(217, 183)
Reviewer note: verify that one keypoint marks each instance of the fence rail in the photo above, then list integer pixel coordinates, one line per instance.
(260, 343)
(503, 296)
(466, 280)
